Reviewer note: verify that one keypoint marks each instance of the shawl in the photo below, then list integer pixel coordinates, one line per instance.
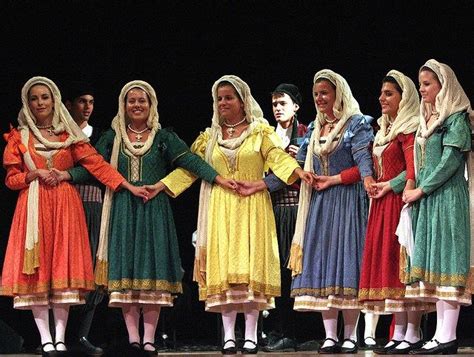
(345, 106)
(407, 119)
(254, 116)
(62, 121)
(119, 125)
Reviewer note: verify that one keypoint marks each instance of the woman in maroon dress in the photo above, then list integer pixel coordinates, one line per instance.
(381, 290)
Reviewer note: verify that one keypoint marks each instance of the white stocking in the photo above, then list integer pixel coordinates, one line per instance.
(251, 322)
(151, 314)
(450, 321)
(439, 325)
(61, 314)
(41, 316)
(330, 325)
(371, 321)
(228, 322)
(412, 333)
(131, 315)
(351, 317)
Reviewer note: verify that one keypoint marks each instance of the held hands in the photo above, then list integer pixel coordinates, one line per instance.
(135, 190)
(369, 183)
(153, 190)
(305, 176)
(410, 196)
(380, 189)
(247, 188)
(226, 183)
(322, 182)
(48, 177)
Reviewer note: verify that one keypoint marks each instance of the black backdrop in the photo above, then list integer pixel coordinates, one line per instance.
(182, 47)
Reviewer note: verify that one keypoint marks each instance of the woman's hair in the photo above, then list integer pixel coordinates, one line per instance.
(228, 84)
(390, 79)
(147, 96)
(428, 69)
(321, 79)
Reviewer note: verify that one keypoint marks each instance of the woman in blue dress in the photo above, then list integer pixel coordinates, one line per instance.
(327, 247)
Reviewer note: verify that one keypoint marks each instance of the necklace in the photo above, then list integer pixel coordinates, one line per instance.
(332, 124)
(138, 133)
(47, 127)
(231, 127)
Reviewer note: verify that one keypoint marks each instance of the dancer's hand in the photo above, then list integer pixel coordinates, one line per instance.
(247, 188)
(153, 190)
(305, 176)
(381, 189)
(323, 182)
(228, 184)
(368, 185)
(410, 196)
(61, 175)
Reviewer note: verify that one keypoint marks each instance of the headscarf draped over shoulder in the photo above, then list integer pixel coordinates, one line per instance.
(450, 99)
(408, 114)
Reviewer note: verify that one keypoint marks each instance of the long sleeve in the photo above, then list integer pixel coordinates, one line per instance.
(398, 183)
(91, 160)
(13, 162)
(280, 162)
(360, 134)
(273, 183)
(190, 166)
(350, 175)
(456, 140)
(451, 159)
(103, 146)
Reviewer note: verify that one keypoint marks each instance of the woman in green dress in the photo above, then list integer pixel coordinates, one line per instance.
(138, 256)
(439, 265)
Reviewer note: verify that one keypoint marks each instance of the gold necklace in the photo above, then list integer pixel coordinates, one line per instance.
(231, 127)
(332, 124)
(138, 133)
(47, 127)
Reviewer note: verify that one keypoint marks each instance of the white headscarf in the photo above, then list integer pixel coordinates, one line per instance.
(254, 116)
(119, 124)
(345, 106)
(408, 114)
(62, 121)
(450, 99)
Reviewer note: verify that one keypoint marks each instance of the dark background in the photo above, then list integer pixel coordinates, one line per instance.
(182, 47)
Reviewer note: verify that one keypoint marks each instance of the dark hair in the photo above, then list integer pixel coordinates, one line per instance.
(227, 83)
(75, 89)
(390, 79)
(321, 79)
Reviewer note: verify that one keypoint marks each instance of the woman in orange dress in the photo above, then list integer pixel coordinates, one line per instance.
(48, 262)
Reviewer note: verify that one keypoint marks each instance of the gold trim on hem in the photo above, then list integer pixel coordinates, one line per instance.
(325, 292)
(442, 279)
(145, 284)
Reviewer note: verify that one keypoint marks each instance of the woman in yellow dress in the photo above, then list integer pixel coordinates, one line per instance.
(237, 262)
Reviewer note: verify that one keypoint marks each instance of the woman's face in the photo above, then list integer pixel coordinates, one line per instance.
(137, 105)
(41, 102)
(429, 86)
(229, 105)
(390, 99)
(324, 96)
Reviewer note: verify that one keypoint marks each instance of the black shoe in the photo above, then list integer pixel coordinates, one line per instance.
(352, 349)
(330, 349)
(369, 346)
(250, 351)
(284, 344)
(48, 353)
(384, 350)
(87, 348)
(229, 350)
(152, 352)
(447, 348)
(60, 352)
(406, 350)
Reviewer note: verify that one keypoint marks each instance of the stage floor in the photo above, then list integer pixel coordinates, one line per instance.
(465, 351)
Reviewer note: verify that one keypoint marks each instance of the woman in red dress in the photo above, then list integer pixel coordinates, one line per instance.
(48, 262)
(381, 290)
